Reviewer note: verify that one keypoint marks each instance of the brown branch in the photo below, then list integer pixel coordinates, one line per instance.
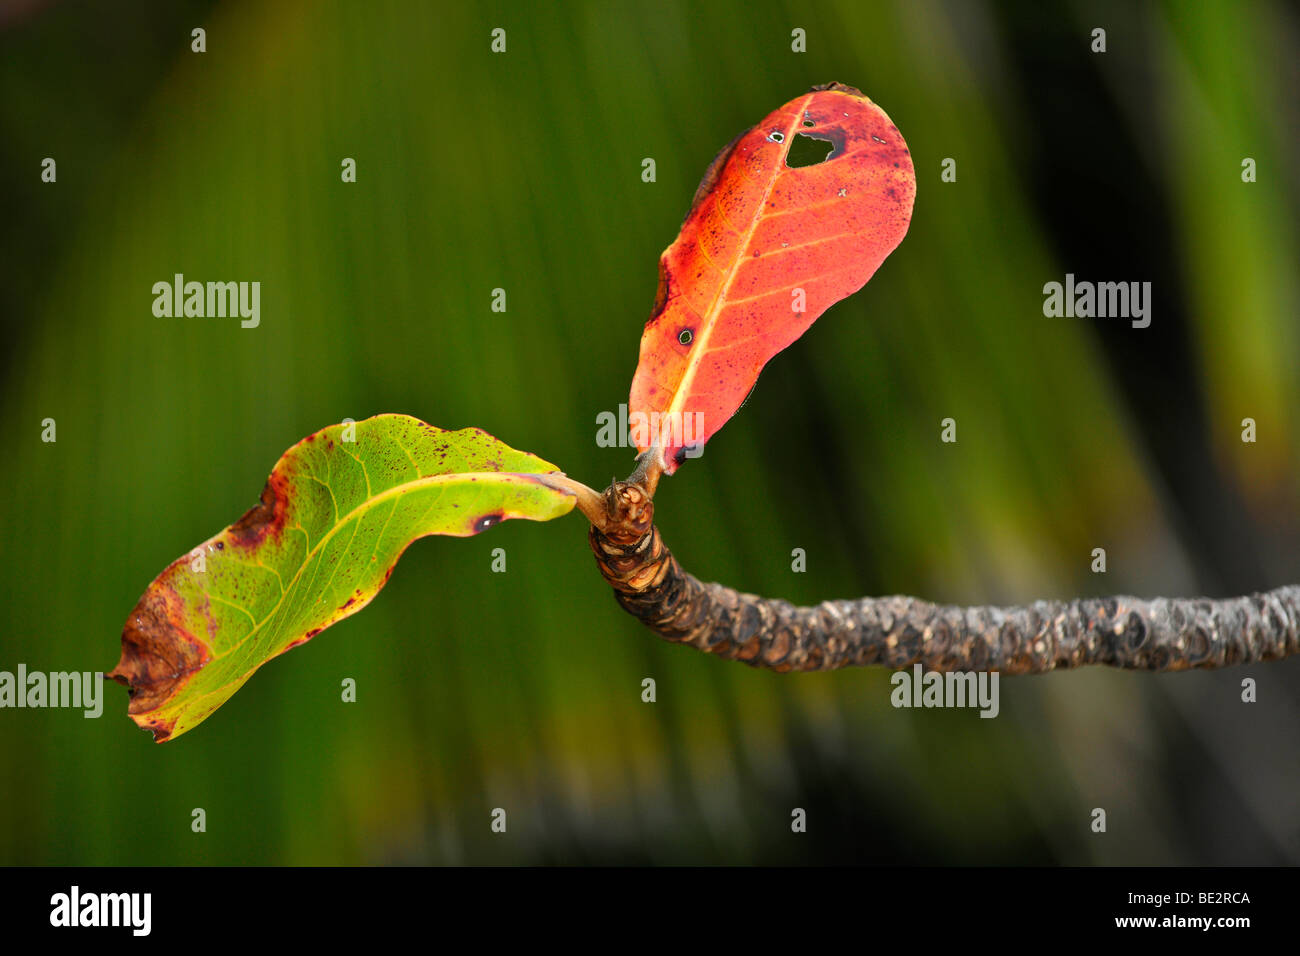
(589, 501)
(1128, 632)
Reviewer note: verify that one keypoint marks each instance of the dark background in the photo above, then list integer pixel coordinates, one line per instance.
(523, 171)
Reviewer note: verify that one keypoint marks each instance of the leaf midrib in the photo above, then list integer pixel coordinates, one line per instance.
(711, 314)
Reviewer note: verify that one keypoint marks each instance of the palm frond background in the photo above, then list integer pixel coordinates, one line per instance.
(522, 171)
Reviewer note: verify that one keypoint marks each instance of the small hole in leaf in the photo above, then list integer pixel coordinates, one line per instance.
(776, 136)
(685, 336)
(808, 151)
(808, 122)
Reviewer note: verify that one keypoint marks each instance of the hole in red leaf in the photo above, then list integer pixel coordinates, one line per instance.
(807, 150)
(685, 336)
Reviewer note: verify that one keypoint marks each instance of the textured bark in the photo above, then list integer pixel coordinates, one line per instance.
(1127, 632)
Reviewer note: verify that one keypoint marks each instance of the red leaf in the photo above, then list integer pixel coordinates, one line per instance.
(760, 232)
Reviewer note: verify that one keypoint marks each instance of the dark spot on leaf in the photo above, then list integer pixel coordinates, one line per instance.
(838, 87)
(680, 455)
(264, 520)
(487, 521)
(302, 640)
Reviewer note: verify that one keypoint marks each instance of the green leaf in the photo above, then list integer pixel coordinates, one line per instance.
(337, 512)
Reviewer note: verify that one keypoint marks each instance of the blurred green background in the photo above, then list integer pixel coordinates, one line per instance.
(522, 170)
